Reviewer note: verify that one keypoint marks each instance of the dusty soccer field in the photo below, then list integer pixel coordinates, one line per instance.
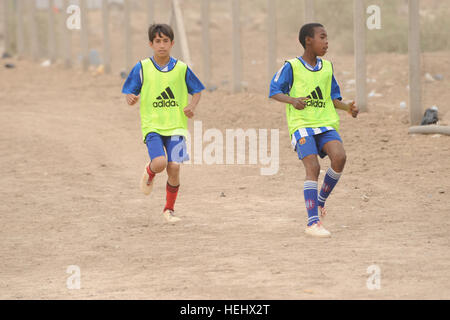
(71, 160)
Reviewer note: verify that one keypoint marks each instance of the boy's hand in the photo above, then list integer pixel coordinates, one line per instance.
(132, 99)
(299, 103)
(189, 111)
(353, 109)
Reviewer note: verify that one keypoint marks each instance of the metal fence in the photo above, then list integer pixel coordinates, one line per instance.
(62, 31)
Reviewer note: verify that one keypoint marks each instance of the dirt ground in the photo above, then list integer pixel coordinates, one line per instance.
(72, 156)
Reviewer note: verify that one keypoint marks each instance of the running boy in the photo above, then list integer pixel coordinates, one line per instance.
(308, 87)
(163, 83)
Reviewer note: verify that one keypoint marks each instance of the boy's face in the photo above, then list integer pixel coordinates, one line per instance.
(319, 43)
(161, 45)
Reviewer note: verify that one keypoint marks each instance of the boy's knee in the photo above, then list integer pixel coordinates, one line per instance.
(312, 167)
(316, 169)
(313, 170)
(158, 164)
(339, 160)
(343, 158)
(173, 169)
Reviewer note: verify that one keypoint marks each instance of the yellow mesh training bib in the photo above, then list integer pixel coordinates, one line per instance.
(316, 85)
(164, 95)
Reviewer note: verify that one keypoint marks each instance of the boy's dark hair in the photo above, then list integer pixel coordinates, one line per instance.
(307, 31)
(160, 28)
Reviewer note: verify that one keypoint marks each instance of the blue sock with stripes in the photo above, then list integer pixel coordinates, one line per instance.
(330, 180)
(310, 192)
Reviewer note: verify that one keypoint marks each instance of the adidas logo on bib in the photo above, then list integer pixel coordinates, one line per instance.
(316, 99)
(166, 99)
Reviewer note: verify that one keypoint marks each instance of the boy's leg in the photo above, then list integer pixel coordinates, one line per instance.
(157, 163)
(176, 154)
(335, 151)
(307, 152)
(173, 184)
(312, 169)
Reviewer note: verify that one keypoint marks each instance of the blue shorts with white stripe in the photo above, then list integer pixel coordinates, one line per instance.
(313, 144)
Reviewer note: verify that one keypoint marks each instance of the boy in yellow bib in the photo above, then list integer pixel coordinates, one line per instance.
(163, 84)
(308, 87)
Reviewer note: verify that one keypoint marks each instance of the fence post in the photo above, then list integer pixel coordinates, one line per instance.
(128, 35)
(150, 17)
(150, 12)
(51, 31)
(309, 11)
(237, 58)
(33, 34)
(205, 44)
(176, 49)
(415, 89)
(6, 25)
(359, 31)
(181, 32)
(272, 38)
(84, 35)
(66, 36)
(19, 28)
(106, 39)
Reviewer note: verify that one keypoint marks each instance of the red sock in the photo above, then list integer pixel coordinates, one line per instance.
(151, 174)
(171, 196)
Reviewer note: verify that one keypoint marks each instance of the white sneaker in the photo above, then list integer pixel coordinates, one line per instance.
(317, 230)
(170, 216)
(146, 186)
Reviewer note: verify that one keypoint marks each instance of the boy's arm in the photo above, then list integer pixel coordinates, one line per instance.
(132, 99)
(195, 88)
(349, 107)
(190, 108)
(132, 86)
(337, 99)
(297, 103)
(281, 85)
